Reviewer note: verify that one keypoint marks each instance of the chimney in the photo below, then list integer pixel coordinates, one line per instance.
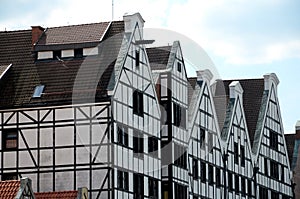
(131, 20)
(36, 32)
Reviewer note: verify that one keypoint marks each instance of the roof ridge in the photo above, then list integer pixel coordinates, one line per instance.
(84, 24)
(15, 31)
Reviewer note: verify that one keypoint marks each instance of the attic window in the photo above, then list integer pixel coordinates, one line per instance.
(38, 91)
(137, 58)
(179, 67)
(56, 54)
(78, 52)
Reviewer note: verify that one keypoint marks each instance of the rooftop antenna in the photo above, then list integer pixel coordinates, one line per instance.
(112, 10)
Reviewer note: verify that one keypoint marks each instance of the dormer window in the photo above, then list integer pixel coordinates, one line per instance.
(38, 91)
(56, 54)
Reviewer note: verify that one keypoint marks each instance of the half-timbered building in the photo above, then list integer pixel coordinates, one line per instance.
(90, 106)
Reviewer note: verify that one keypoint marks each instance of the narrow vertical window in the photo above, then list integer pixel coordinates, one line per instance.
(236, 153)
(138, 103)
(273, 140)
(122, 136)
(218, 177)
(210, 174)
(138, 142)
(236, 184)
(266, 167)
(138, 186)
(243, 156)
(123, 181)
(230, 187)
(243, 186)
(195, 169)
(203, 172)
(137, 58)
(10, 139)
(202, 137)
(153, 188)
(210, 141)
(152, 144)
(179, 67)
(249, 186)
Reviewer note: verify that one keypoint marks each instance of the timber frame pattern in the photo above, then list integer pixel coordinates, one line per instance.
(112, 146)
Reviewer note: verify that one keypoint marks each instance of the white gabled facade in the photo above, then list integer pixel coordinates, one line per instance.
(270, 152)
(136, 120)
(206, 166)
(239, 163)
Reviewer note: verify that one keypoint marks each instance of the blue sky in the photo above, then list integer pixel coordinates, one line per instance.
(243, 38)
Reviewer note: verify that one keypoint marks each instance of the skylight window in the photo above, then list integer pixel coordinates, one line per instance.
(38, 91)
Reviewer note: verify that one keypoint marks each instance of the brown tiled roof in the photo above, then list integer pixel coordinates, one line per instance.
(158, 57)
(290, 143)
(58, 76)
(73, 34)
(9, 189)
(57, 195)
(252, 97)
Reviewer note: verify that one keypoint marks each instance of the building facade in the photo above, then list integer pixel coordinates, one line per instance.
(90, 106)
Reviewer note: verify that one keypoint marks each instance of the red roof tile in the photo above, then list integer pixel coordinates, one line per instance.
(9, 189)
(57, 195)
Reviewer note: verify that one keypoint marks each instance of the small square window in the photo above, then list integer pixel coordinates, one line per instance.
(56, 54)
(10, 139)
(78, 53)
(38, 91)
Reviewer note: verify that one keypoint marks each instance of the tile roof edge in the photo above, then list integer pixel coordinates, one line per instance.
(7, 68)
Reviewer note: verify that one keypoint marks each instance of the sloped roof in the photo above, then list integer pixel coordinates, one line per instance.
(73, 34)
(158, 57)
(58, 76)
(57, 195)
(9, 189)
(252, 98)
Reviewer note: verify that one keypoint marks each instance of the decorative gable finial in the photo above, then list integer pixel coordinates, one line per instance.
(204, 75)
(270, 79)
(235, 90)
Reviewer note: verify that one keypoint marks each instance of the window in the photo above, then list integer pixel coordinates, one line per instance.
(137, 58)
(243, 186)
(195, 169)
(38, 91)
(123, 180)
(152, 144)
(180, 191)
(266, 167)
(122, 136)
(165, 188)
(164, 112)
(138, 142)
(242, 156)
(153, 188)
(56, 54)
(210, 174)
(179, 67)
(10, 139)
(249, 188)
(78, 53)
(180, 156)
(202, 137)
(274, 169)
(138, 186)
(218, 177)
(203, 172)
(274, 195)
(236, 153)
(210, 141)
(263, 192)
(236, 184)
(179, 116)
(273, 140)
(9, 176)
(282, 173)
(138, 103)
(230, 187)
